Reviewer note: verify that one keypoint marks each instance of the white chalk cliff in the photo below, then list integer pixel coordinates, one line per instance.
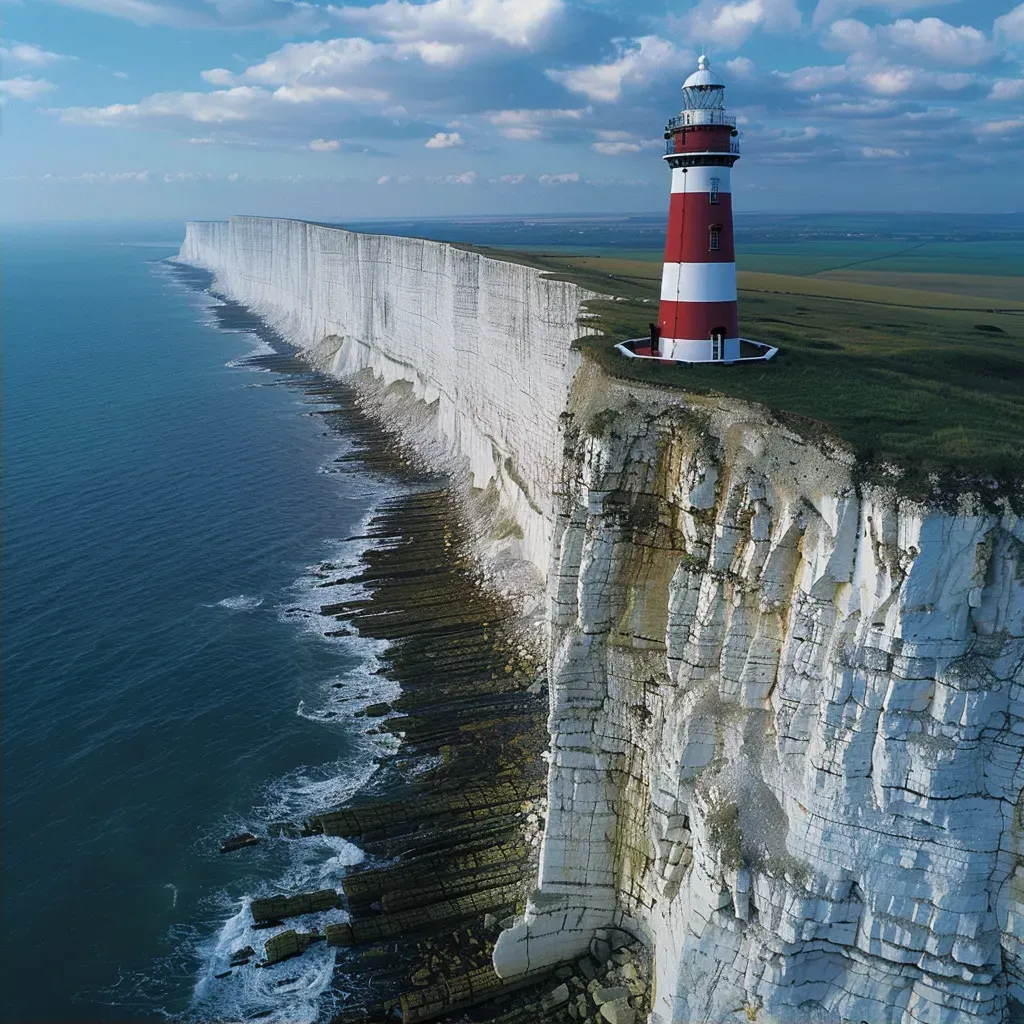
(484, 344)
(787, 721)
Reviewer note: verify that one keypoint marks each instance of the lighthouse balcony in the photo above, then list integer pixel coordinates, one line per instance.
(733, 149)
(692, 117)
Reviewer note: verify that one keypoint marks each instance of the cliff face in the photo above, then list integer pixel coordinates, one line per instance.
(787, 726)
(786, 714)
(484, 343)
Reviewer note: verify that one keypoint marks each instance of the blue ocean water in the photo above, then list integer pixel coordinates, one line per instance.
(166, 680)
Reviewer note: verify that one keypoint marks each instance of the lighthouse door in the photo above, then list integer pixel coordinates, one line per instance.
(717, 340)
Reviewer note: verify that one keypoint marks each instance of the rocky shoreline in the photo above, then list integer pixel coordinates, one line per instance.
(452, 824)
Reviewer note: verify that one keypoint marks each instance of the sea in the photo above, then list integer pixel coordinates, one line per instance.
(167, 680)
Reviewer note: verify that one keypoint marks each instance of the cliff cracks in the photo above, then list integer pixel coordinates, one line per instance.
(786, 711)
(786, 725)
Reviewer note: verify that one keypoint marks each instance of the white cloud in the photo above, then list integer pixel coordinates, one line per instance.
(740, 67)
(508, 179)
(614, 148)
(325, 145)
(120, 74)
(97, 177)
(517, 23)
(29, 55)
(217, 76)
(526, 125)
(876, 78)
(1011, 126)
(559, 179)
(897, 81)
(514, 117)
(637, 64)
(115, 177)
(732, 24)
(342, 61)
(881, 153)
(142, 12)
(316, 93)
(828, 10)
(848, 35)
(931, 39)
(324, 60)
(1010, 26)
(859, 108)
(466, 178)
(183, 176)
(384, 179)
(276, 15)
(23, 88)
(522, 134)
(122, 177)
(934, 38)
(443, 140)
(1007, 89)
(617, 183)
(223, 106)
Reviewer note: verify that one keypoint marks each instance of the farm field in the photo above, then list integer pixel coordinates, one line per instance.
(977, 285)
(855, 260)
(895, 256)
(930, 381)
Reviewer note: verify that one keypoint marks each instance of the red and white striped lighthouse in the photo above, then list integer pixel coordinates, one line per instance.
(697, 319)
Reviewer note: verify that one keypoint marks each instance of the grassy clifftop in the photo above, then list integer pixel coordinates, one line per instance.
(930, 381)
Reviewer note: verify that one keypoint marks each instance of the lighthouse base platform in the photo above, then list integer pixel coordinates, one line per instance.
(741, 350)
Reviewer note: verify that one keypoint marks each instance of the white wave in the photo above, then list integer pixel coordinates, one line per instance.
(287, 993)
(316, 588)
(342, 697)
(260, 347)
(309, 789)
(238, 603)
(309, 990)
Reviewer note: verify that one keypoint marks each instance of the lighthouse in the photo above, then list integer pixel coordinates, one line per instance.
(697, 313)
(697, 318)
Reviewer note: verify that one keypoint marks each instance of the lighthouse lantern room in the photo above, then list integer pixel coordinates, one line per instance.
(697, 315)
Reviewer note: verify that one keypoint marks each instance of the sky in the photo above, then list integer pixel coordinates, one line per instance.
(117, 109)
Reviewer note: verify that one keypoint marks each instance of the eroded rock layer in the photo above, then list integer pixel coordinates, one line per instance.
(787, 725)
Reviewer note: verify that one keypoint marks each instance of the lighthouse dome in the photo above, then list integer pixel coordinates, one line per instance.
(703, 76)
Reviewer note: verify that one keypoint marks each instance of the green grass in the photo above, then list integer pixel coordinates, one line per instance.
(905, 377)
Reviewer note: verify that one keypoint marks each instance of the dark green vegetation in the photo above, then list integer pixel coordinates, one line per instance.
(931, 382)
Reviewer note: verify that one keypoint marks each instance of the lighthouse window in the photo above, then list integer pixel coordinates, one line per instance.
(714, 193)
(714, 237)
